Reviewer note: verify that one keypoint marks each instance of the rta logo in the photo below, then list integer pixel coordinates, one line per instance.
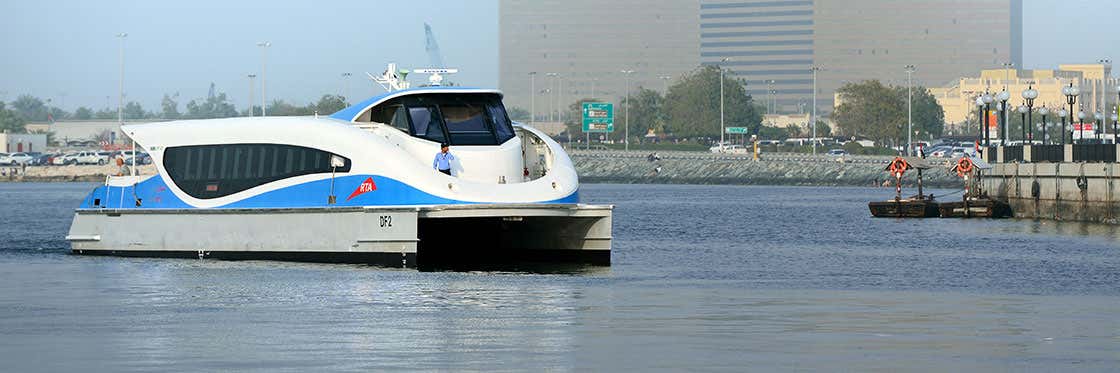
(366, 187)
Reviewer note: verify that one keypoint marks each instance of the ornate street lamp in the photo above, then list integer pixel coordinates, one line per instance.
(1062, 114)
(1098, 129)
(1114, 117)
(980, 118)
(1023, 123)
(1071, 93)
(1042, 111)
(1080, 122)
(1030, 94)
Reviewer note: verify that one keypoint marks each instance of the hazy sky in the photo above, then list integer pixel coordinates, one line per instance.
(66, 49)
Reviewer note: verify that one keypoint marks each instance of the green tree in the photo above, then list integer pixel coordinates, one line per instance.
(878, 112)
(133, 110)
(105, 113)
(216, 106)
(83, 113)
(329, 104)
(281, 108)
(170, 106)
(646, 112)
(692, 106)
(30, 108)
(11, 121)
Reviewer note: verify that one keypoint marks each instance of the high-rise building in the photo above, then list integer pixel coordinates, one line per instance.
(770, 43)
(579, 48)
(853, 40)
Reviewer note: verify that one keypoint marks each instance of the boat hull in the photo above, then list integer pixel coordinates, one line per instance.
(975, 208)
(906, 208)
(411, 237)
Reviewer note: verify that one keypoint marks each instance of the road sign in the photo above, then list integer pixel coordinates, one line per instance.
(598, 117)
(736, 130)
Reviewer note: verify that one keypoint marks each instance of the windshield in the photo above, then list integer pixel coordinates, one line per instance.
(457, 119)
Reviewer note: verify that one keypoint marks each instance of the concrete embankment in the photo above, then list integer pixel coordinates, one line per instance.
(96, 173)
(634, 167)
(1076, 191)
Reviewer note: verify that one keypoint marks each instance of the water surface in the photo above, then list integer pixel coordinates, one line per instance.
(704, 278)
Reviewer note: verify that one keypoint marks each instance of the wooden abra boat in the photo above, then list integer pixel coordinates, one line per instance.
(975, 203)
(917, 206)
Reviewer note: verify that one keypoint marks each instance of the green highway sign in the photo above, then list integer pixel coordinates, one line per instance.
(598, 117)
(736, 130)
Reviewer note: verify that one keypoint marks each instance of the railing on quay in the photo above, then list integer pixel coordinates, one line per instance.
(1090, 153)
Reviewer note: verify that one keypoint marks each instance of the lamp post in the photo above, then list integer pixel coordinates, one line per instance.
(1098, 129)
(769, 96)
(813, 119)
(1071, 93)
(979, 118)
(251, 111)
(532, 97)
(1081, 122)
(1003, 97)
(909, 108)
(1062, 114)
(1043, 111)
(264, 64)
(721, 62)
(346, 84)
(665, 83)
(987, 99)
(551, 100)
(120, 97)
(1023, 124)
(1114, 118)
(1030, 94)
(626, 128)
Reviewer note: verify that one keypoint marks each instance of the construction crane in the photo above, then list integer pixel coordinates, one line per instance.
(430, 45)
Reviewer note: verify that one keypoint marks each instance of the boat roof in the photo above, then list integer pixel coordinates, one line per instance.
(914, 162)
(351, 113)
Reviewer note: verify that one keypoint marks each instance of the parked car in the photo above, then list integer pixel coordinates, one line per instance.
(141, 157)
(41, 159)
(3, 158)
(16, 159)
(84, 157)
(837, 152)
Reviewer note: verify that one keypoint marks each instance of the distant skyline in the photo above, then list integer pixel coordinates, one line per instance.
(66, 50)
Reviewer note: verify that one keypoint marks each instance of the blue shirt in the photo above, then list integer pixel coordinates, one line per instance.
(443, 161)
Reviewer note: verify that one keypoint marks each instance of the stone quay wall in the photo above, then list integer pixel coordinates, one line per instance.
(634, 167)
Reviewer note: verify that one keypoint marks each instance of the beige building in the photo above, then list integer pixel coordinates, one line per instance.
(578, 48)
(958, 99)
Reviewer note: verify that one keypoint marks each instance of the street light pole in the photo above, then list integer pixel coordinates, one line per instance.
(346, 84)
(987, 98)
(532, 97)
(264, 64)
(120, 97)
(721, 124)
(1071, 93)
(1062, 114)
(1004, 136)
(1043, 110)
(1030, 94)
(251, 111)
(626, 133)
(813, 119)
(910, 109)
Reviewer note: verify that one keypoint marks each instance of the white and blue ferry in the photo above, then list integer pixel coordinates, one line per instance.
(355, 187)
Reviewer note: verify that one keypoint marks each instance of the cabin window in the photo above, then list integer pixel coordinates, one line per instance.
(468, 119)
(425, 124)
(393, 115)
(212, 171)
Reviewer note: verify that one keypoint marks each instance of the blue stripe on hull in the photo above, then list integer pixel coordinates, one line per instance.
(155, 194)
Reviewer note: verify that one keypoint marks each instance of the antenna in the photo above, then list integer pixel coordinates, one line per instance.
(392, 79)
(436, 77)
